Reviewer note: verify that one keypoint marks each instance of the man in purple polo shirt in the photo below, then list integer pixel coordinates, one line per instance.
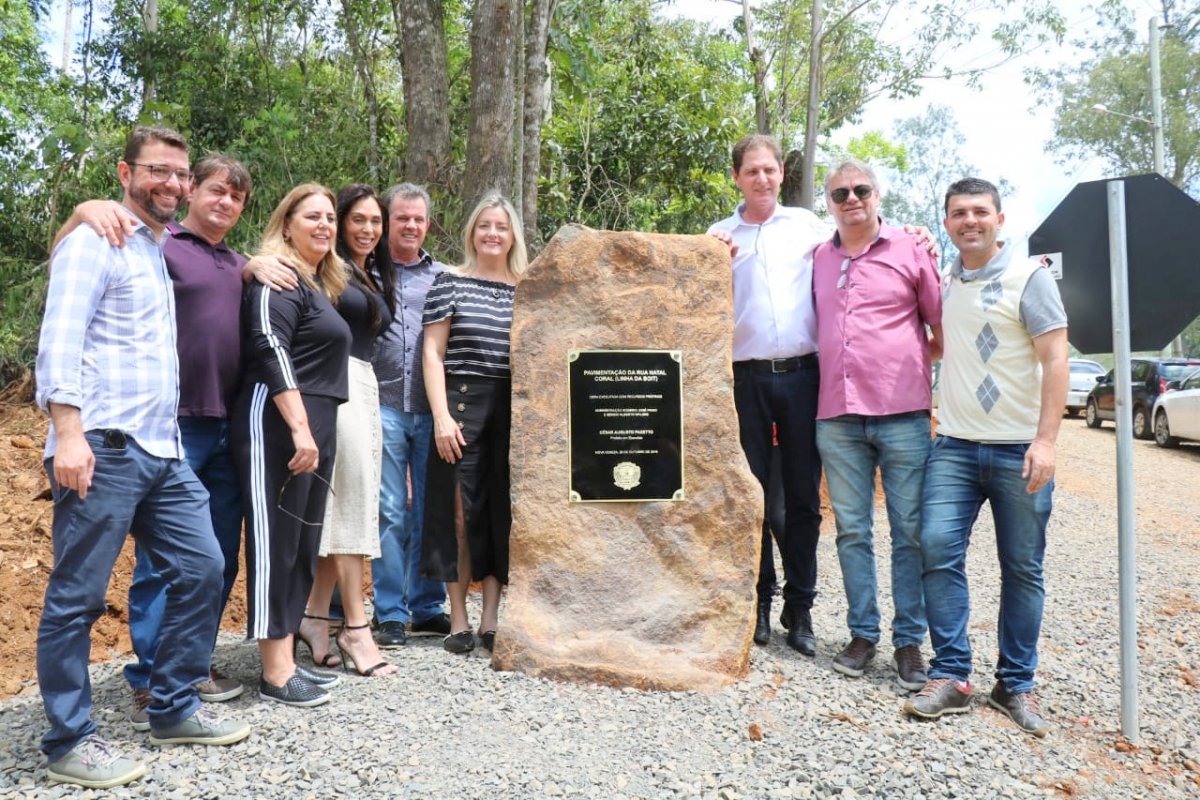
(876, 288)
(207, 279)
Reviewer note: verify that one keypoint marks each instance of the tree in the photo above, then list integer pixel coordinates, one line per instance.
(426, 88)
(933, 146)
(645, 112)
(489, 135)
(871, 48)
(1117, 77)
(537, 34)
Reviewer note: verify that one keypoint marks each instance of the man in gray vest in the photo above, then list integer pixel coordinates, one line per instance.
(1003, 388)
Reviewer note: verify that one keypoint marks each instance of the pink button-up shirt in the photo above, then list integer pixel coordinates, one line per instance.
(871, 329)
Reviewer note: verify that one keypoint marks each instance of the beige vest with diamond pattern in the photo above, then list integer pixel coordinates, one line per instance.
(991, 381)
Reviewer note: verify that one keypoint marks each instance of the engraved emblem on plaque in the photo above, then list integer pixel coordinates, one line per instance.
(627, 475)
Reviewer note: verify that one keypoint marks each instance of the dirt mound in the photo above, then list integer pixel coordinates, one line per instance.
(27, 556)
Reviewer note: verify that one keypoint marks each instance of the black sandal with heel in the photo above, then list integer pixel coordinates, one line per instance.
(312, 654)
(348, 660)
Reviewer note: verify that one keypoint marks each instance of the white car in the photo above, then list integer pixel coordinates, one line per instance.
(1177, 412)
(1082, 380)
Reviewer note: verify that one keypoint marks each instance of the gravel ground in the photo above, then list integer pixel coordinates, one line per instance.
(449, 727)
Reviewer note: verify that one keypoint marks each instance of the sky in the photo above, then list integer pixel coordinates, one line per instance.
(1006, 135)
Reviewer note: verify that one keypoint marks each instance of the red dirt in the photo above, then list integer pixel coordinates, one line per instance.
(26, 557)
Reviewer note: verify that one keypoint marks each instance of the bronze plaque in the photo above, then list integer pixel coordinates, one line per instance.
(626, 425)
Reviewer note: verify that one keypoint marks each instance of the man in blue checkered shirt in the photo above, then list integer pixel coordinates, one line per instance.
(108, 375)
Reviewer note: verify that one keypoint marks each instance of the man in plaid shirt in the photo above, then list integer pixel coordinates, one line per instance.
(108, 375)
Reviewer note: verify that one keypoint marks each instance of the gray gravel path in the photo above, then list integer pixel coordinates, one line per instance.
(450, 727)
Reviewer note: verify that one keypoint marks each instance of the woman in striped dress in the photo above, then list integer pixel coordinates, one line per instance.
(468, 316)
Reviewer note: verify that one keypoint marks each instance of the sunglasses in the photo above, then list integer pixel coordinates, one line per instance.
(862, 192)
(282, 489)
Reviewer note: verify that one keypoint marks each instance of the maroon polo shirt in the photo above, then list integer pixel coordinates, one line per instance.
(208, 301)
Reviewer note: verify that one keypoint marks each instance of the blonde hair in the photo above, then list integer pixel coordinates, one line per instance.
(518, 258)
(329, 277)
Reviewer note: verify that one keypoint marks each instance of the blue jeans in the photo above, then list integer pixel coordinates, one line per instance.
(852, 446)
(206, 447)
(960, 475)
(162, 504)
(789, 400)
(401, 594)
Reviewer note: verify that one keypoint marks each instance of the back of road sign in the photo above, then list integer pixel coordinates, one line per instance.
(1163, 228)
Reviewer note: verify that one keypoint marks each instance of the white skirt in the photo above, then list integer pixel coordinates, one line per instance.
(352, 513)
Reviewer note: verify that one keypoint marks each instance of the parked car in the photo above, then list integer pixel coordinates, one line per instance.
(1150, 377)
(1082, 380)
(1177, 412)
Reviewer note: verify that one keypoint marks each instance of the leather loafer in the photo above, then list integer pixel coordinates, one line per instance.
(800, 633)
(391, 634)
(762, 626)
(437, 625)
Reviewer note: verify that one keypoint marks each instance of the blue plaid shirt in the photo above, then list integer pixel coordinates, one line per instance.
(107, 344)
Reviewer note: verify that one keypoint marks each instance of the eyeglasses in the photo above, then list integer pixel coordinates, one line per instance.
(844, 276)
(862, 192)
(163, 173)
(282, 489)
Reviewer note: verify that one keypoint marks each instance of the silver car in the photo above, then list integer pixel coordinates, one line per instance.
(1082, 380)
(1177, 412)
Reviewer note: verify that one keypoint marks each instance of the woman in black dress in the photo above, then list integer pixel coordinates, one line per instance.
(468, 316)
(351, 531)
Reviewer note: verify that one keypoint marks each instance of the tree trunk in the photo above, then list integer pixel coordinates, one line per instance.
(489, 133)
(366, 72)
(758, 65)
(426, 89)
(518, 131)
(151, 21)
(812, 114)
(537, 32)
(794, 178)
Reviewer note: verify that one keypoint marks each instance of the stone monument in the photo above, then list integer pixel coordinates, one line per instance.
(623, 389)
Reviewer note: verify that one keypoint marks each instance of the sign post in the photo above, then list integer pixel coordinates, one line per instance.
(1123, 419)
(1131, 226)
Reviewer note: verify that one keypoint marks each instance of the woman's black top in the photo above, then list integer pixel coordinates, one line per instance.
(294, 339)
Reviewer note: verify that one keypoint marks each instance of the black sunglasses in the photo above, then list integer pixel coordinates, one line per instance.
(862, 192)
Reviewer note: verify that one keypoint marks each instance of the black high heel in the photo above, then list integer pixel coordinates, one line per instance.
(348, 660)
(312, 654)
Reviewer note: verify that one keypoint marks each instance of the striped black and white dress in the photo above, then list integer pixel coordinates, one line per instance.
(478, 395)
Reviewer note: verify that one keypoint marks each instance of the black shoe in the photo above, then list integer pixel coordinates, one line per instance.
(487, 640)
(437, 625)
(800, 633)
(459, 643)
(762, 626)
(296, 692)
(391, 634)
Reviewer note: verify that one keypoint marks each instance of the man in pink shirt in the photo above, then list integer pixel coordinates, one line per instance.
(876, 288)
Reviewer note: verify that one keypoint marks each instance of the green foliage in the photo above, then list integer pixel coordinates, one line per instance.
(643, 122)
(1117, 76)
(884, 48)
